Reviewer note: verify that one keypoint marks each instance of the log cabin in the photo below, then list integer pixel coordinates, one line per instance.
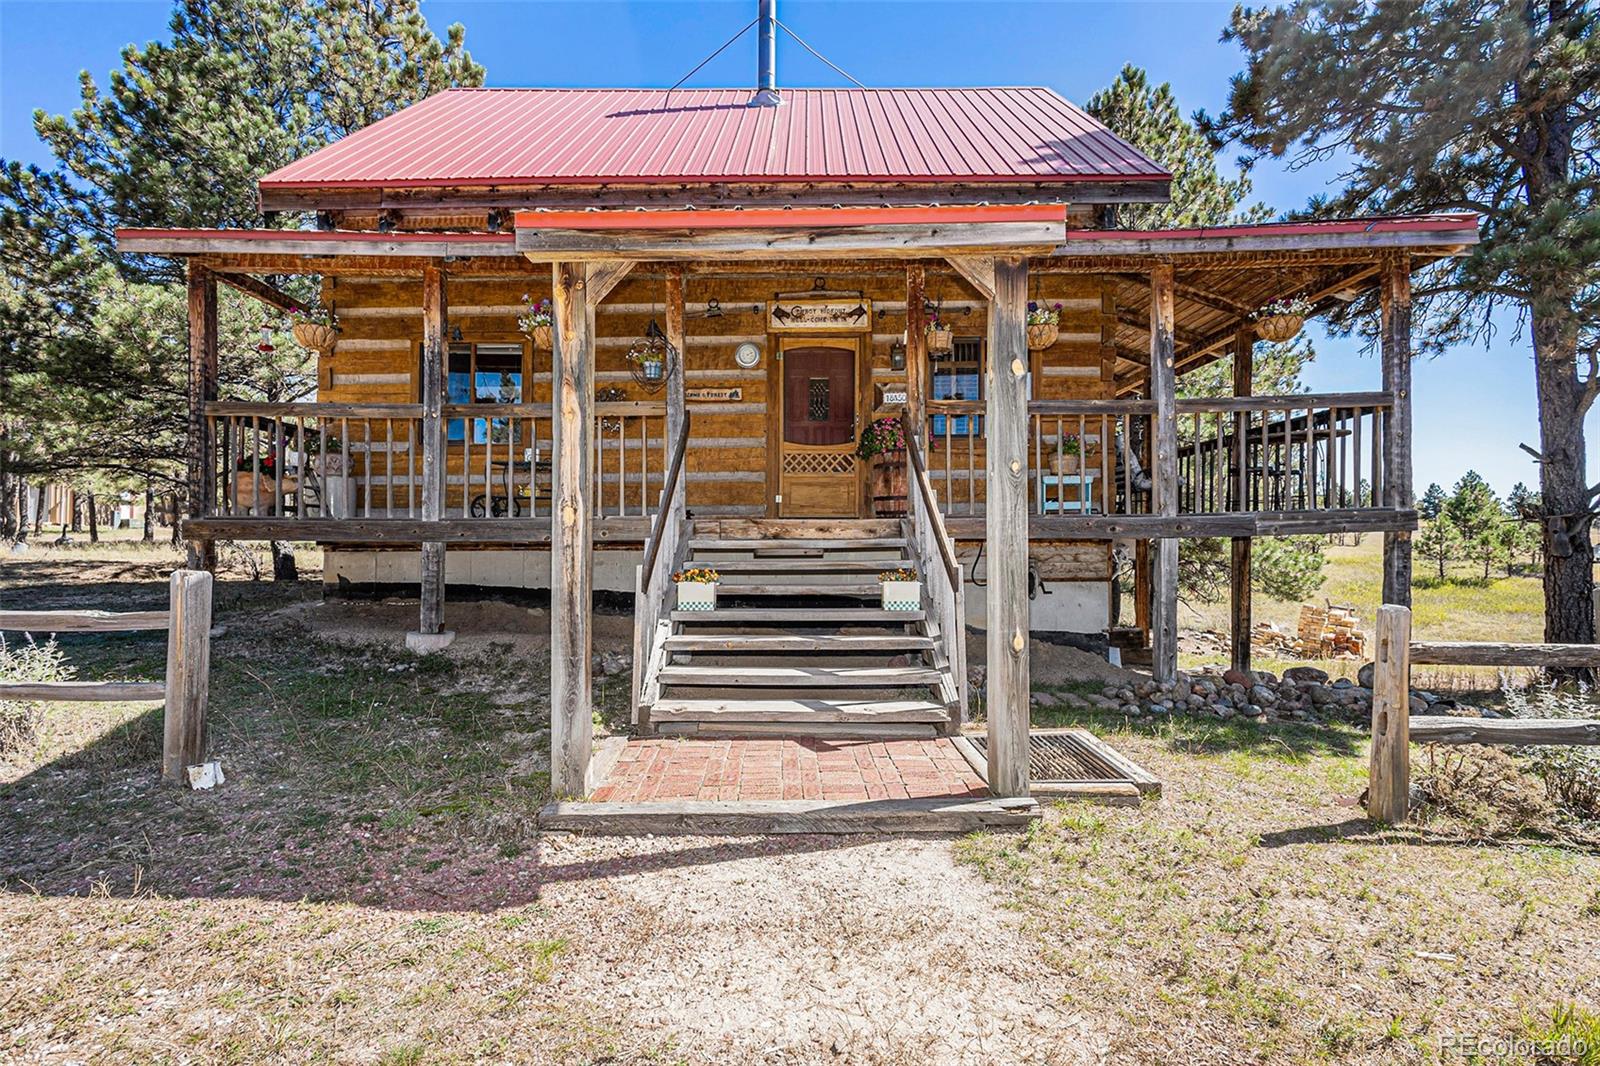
(740, 284)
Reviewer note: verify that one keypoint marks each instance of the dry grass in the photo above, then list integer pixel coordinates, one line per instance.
(367, 887)
(1503, 609)
(1253, 915)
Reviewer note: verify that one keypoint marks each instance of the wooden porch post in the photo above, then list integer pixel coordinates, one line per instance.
(1164, 492)
(678, 369)
(571, 550)
(917, 348)
(202, 483)
(430, 635)
(1244, 342)
(1006, 529)
(1395, 297)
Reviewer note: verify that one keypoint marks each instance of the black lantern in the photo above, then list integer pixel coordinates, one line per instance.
(897, 355)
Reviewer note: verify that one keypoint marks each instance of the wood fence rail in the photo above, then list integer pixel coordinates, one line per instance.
(1393, 729)
(186, 689)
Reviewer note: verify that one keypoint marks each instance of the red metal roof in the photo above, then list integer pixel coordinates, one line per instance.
(507, 136)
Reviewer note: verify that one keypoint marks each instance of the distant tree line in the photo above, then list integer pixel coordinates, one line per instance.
(1470, 524)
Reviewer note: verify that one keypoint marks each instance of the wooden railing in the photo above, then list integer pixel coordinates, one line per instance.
(663, 554)
(942, 573)
(1393, 728)
(1235, 454)
(335, 461)
(185, 691)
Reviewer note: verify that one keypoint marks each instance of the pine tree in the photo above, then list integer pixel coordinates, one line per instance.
(1451, 105)
(1148, 118)
(1431, 503)
(178, 138)
(1440, 541)
(1475, 511)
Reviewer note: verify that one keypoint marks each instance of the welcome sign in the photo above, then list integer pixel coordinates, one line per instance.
(819, 316)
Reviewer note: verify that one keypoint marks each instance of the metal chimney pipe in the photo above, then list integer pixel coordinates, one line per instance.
(767, 72)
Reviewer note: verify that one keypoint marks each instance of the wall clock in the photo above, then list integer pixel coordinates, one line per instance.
(747, 355)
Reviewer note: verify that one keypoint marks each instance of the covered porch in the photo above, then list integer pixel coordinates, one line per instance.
(568, 471)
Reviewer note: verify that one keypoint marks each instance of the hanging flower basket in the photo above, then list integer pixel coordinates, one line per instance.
(1042, 335)
(1280, 320)
(314, 328)
(535, 322)
(1044, 325)
(1279, 328)
(939, 337)
(648, 357)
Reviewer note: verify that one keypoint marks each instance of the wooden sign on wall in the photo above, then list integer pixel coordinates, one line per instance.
(713, 394)
(808, 315)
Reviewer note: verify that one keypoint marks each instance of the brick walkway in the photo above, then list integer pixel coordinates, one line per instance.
(788, 768)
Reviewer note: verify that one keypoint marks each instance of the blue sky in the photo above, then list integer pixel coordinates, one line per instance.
(1473, 405)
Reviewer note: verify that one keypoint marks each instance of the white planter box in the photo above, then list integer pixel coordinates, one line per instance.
(902, 595)
(697, 596)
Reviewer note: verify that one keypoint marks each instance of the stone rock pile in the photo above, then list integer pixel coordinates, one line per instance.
(1302, 694)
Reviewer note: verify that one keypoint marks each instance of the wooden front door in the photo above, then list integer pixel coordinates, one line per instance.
(817, 465)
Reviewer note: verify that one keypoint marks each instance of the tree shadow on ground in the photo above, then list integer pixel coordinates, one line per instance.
(357, 773)
(1420, 833)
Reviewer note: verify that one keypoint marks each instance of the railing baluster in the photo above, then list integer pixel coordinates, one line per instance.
(1355, 442)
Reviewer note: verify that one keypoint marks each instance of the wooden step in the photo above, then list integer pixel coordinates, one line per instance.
(797, 616)
(777, 546)
(803, 566)
(804, 710)
(840, 643)
(728, 588)
(800, 676)
(828, 730)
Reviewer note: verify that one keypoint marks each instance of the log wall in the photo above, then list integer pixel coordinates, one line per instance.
(727, 466)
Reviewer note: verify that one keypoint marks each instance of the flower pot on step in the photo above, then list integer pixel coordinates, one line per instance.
(697, 596)
(902, 595)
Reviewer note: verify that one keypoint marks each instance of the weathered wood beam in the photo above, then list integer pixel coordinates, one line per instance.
(571, 551)
(183, 728)
(1389, 763)
(1006, 519)
(762, 817)
(203, 338)
(1249, 524)
(1133, 320)
(1395, 300)
(408, 532)
(270, 295)
(1164, 488)
(917, 382)
(80, 621)
(676, 403)
(1176, 246)
(1490, 653)
(978, 270)
(1452, 729)
(603, 276)
(435, 343)
(1239, 584)
(82, 691)
(891, 241)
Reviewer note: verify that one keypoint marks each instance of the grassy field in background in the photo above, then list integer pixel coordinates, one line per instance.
(1462, 608)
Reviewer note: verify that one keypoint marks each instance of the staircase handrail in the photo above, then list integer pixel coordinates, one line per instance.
(667, 525)
(668, 500)
(930, 505)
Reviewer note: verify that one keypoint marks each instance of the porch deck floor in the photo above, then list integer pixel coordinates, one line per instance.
(666, 769)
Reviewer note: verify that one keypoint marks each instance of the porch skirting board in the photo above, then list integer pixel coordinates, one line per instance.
(746, 817)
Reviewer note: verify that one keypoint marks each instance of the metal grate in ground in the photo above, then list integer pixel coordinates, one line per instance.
(1064, 758)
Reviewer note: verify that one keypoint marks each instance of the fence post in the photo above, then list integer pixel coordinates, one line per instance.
(1389, 772)
(188, 674)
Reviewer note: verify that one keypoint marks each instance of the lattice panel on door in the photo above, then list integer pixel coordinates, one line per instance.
(819, 463)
